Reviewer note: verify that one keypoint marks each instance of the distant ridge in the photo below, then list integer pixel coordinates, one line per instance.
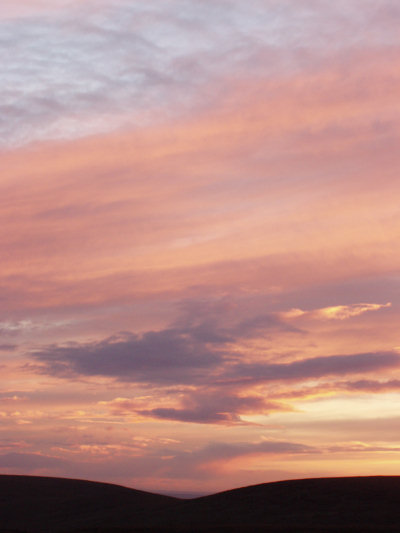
(52, 505)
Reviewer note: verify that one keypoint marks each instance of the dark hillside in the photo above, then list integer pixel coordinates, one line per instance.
(51, 504)
(358, 504)
(329, 502)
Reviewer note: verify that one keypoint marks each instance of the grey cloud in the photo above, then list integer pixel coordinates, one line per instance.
(365, 385)
(199, 415)
(168, 356)
(314, 367)
(192, 356)
(219, 407)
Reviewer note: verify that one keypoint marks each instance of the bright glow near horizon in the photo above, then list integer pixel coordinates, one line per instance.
(199, 227)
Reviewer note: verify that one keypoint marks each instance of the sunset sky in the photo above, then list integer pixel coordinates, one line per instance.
(199, 240)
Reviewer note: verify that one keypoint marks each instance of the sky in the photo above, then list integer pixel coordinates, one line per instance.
(199, 227)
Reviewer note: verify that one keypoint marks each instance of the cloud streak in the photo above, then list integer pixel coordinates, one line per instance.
(180, 356)
(316, 367)
(167, 356)
(92, 65)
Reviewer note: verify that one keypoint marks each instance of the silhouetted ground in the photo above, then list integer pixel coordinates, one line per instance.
(42, 504)
(51, 505)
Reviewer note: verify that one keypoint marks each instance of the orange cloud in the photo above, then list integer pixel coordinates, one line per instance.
(335, 312)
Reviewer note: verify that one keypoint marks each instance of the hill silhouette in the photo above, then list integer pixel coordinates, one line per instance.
(42, 504)
(39, 504)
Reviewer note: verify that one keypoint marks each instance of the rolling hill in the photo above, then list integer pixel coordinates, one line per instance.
(38, 504)
(44, 504)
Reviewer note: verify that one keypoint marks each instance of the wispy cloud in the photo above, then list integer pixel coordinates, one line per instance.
(315, 367)
(77, 69)
(336, 312)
